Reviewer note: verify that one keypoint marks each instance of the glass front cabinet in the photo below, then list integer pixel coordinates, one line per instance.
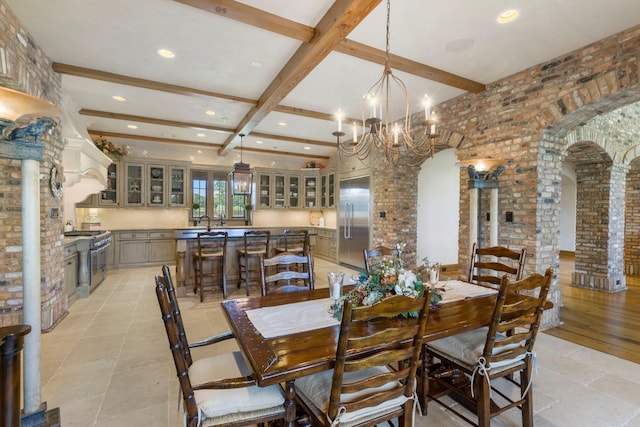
(177, 190)
(293, 187)
(328, 190)
(264, 190)
(279, 188)
(109, 196)
(310, 192)
(156, 185)
(134, 180)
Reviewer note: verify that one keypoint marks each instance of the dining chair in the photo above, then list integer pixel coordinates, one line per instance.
(211, 250)
(217, 390)
(256, 243)
(471, 364)
(284, 268)
(373, 379)
(377, 254)
(488, 265)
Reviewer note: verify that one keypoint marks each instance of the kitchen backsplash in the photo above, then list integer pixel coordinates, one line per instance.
(126, 219)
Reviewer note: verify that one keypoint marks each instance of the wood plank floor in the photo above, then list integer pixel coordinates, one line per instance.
(606, 322)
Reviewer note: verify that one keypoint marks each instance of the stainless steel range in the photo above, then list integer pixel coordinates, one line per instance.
(92, 269)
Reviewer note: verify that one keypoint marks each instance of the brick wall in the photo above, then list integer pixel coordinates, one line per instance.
(28, 70)
(523, 120)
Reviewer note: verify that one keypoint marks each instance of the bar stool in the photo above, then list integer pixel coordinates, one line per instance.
(212, 249)
(256, 243)
(295, 242)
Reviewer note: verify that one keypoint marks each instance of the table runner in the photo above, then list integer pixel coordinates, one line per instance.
(456, 290)
(304, 316)
(282, 320)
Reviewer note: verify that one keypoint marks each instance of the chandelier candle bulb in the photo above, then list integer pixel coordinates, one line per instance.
(427, 108)
(355, 132)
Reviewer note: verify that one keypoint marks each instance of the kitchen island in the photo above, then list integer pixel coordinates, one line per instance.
(186, 243)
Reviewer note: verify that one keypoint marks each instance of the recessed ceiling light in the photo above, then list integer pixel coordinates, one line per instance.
(282, 124)
(508, 16)
(132, 126)
(166, 53)
(256, 64)
(307, 148)
(258, 142)
(199, 151)
(210, 113)
(201, 135)
(119, 98)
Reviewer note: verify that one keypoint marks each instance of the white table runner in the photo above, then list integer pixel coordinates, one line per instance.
(456, 290)
(303, 316)
(288, 319)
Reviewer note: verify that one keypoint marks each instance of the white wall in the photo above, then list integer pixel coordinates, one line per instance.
(438, 210)
(568, 208)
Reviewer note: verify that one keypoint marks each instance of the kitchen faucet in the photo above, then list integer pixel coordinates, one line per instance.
(208, 221)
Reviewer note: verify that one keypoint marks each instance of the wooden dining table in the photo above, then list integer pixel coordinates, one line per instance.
(281, 359)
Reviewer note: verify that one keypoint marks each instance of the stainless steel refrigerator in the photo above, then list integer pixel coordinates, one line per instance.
(353, 221)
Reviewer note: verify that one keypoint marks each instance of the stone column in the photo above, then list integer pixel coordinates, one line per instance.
(31, 282)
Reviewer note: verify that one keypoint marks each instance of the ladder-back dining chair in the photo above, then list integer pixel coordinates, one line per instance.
(217, 390)
(377, 254)
(470, 364)
(284, 268)
(488, 265)
(376, 362)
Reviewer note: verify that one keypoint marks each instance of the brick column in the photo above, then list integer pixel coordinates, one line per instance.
(632, 221)
(549, 178)
(600, 227)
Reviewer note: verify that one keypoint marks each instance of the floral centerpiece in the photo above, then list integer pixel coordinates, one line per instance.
(387, 277)
(109, 148)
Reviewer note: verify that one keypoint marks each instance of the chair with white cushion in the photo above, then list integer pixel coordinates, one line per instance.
(217, 390)
(476, 368)
(374, 375)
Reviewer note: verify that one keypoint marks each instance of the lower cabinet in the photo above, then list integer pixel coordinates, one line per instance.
(145, 248)
(70, 269)
(325, 246)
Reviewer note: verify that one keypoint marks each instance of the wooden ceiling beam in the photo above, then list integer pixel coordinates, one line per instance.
(89, 73)
(254, 17)
(378, 56)
(187, 125)
(276, 24)
(341, 18)
(97, 132)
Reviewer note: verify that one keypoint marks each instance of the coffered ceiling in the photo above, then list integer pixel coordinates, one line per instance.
(260, 63)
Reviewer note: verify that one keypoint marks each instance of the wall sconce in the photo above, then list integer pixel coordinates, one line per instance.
(483, 173)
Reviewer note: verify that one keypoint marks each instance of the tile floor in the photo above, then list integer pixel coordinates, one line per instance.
(108, 364)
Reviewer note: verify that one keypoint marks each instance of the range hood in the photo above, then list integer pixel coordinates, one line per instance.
(85, 166)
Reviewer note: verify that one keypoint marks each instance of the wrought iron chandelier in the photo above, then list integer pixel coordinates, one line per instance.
(241, 176)
(392, 134)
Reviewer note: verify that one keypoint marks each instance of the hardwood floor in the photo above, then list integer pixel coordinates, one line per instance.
(606, 322)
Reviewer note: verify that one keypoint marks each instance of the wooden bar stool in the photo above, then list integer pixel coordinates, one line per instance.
(212, 249)
(295, 242)
(256, 243)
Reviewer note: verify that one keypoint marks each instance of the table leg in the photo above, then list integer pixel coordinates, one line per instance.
(289, 404)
